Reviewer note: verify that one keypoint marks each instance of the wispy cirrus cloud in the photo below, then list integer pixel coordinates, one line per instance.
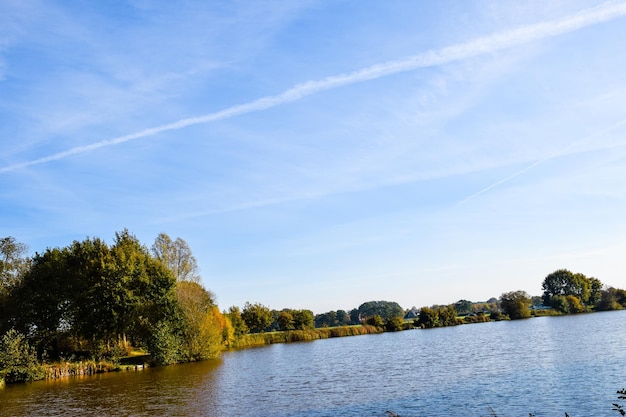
(480, 46)
(544, 160)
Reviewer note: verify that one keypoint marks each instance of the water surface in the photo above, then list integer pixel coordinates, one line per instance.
(546, 366)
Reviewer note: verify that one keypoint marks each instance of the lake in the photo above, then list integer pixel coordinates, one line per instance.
(546, 366)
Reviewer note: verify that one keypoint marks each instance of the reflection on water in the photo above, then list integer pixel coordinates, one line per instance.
(545, 366)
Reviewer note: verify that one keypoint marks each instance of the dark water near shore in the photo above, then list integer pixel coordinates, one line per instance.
(546, 366)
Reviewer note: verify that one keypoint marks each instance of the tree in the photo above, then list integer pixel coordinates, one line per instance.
(343, 317)
(285, 320)
(203, 325)
(18, 361)
(394, 324)
(13, 266)
(257, 317)
(89, 295)
(328, 319)
(565, 283)
(177, 256)
(13, 262)
(463, 306)
(375, 320)
(516, 304)
(239, 326)
(303, 319)
(428, 318)
(355, 316)
(384, 309)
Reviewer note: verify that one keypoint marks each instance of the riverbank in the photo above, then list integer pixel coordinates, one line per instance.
(290, 336)
(138, 360)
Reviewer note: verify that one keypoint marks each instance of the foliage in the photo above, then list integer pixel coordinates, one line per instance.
(333, 319)
(303, 319)
(13, 262)
(177, 257)
(375, 321)
(164, 344)
(621, 395)
(516, 304)
(477, 318)
(285, 321)
(463, 307)
(259, 339)
(18, 360)
(612, 299)
(89, 298)
(440, 316)
(355, 316)
(394, 324)
(203, 324)
(239, 326)
(328, 319)
(257, 317)
(89, 293)
(565, 283)
(384, 309)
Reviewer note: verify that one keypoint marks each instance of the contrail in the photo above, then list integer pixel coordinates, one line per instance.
(488, 44)
(541, 161)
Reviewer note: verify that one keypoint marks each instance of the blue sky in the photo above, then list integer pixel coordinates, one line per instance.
(320, 154)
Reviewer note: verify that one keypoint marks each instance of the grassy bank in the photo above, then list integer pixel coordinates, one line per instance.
(260, 339)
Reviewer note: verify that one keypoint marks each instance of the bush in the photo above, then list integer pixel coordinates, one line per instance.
(18, 360)
(394, 324)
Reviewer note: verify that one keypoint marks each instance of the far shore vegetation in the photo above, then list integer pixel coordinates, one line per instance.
(92, 307)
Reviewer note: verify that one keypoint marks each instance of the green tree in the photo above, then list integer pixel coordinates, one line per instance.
(203, 325)
(303, 319)
(257, 317)
(91, 295)
(394, 324)
(285, 320)
(565, 283)
(13, 262)
(516, 304)
(177, 256)
(328, 319)
(355, 316)
(463, 306)
(575, 306)
(13, 266)
(18, 361)
(556, 283)
(343, 318)
(447, 316)
(375, 320)
(428, 318)
(239, 326)
(384, 309)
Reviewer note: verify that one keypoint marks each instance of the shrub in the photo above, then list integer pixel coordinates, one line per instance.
(18, 360)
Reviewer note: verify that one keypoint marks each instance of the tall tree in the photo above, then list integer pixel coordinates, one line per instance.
(257, 317)
(239, 326)
(13, 266)
(385, 309)
(303, 319)
(516, 304)
(177, 256)
(203, 323)
(13, 262)
(565, 283)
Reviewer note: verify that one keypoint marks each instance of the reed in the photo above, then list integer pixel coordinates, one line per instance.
(260, 339)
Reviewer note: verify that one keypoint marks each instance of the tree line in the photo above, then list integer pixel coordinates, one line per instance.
(98, 301)
(94, 300)
(564, 292)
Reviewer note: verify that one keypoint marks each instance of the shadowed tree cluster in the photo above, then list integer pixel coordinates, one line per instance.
(95, 300)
